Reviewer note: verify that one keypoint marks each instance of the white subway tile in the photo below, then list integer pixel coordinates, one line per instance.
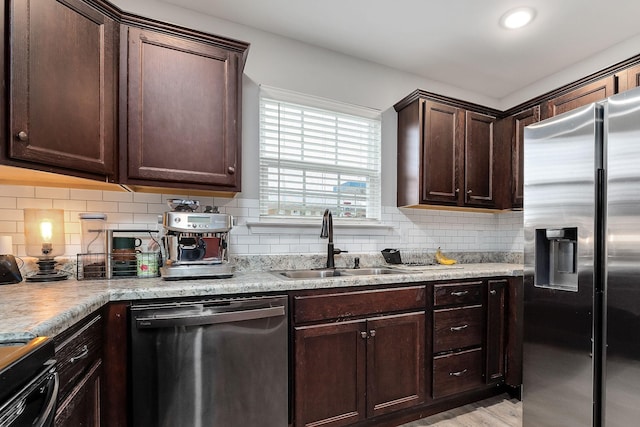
(17, 191)
(132, 207)
(299, 249)
(52, 193)
(114, 218)
(102, 207)
(76, 194)
(8, 227)
(34, 203)
(115, 196)
(8, 203)
(147, 198)
(70, 205)
(279, 249)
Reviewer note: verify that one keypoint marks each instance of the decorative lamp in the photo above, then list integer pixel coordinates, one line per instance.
(44, 234)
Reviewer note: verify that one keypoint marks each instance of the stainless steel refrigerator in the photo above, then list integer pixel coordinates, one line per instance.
(582, 267)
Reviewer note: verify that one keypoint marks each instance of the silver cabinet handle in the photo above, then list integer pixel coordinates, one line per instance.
(363, 335)
(492, 292)
(457, 190)
(457, 374)
(231, 170)
(83, 354)
(372, 333)
(22, 136)
(469, 191)
(458, 328)
(459, 293)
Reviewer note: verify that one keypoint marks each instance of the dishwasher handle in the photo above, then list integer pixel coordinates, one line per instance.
(171, 320)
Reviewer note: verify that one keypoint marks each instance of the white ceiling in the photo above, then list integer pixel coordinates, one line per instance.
(457, 42)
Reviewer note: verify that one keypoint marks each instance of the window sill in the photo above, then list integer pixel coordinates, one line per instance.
(280, 226)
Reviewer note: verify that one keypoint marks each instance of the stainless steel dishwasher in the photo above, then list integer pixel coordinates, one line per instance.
(214, 363)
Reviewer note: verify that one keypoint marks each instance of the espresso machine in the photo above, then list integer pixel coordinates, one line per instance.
(195, 245)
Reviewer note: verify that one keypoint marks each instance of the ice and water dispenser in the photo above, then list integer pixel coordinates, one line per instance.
(556, 258)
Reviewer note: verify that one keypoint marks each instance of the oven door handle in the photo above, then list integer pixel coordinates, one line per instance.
(170, 320)
(48, 413)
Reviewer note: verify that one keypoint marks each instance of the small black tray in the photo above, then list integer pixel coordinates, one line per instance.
(391, 256)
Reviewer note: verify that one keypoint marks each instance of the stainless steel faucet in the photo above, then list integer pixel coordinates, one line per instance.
(327, 232)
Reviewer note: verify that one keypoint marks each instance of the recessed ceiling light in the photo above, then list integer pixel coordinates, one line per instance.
(517, 18)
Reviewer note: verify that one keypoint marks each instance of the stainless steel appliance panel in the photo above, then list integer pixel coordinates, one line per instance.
(214, 363)
(622, 384)
(560, 161)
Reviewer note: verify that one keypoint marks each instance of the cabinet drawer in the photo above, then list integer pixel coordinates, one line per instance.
(457, 328)
(457, 293)
(458, 372)
(77, 350)
(310, 308)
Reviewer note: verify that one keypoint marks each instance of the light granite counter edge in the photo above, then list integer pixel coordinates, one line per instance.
(29, 310)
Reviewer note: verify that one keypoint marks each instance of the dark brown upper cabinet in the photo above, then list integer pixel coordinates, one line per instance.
(62, 80)
(446, 154)
(584, 95)
(183, 108)
(628, 78)
(516, 124)
(479, 149)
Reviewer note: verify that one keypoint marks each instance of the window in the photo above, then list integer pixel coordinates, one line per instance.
(317, 154)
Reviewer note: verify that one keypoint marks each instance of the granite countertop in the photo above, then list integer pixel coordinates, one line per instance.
(46, 309)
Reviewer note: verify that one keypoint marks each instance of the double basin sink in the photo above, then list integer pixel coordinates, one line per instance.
(336, 272)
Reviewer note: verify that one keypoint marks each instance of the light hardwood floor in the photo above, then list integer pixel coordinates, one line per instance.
(499, 411)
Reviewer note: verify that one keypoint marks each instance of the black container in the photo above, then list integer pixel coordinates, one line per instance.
(391, 256)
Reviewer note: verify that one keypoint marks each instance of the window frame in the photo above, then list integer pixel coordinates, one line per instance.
(369, 176)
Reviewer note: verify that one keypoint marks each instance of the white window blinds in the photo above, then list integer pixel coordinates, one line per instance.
(317, 154)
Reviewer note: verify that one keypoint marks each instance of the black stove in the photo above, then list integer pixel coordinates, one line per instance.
(28, 382)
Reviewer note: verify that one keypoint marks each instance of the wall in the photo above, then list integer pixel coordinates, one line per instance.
(292, 65)
(401, 228)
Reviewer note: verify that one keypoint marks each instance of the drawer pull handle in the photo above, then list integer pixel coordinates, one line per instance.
(372, 333)
(459, 293)
(83, 354)
(457, 374)
(458, 328)
(493, 292)
(364, 335)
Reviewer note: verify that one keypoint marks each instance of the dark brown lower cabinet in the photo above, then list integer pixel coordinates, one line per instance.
(387, 356)
(496, 329)
(395, 363)
(82, 406)
(330, 374)
(80, 369)
(348, 371)
(457, 372)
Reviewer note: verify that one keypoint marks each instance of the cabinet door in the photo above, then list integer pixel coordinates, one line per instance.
(183, 112)
(443, 137)
(629, 78)
(592, 92)
(519, 121)
(515, 308)
(82, 406)
(479, 160)
(62, 91)
(330, 374)
(395, 363)
(496, 330)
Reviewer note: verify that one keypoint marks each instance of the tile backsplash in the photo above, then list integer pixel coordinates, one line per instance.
(400, 228)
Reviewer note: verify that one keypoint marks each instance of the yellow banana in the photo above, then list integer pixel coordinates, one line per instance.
(441, 259)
